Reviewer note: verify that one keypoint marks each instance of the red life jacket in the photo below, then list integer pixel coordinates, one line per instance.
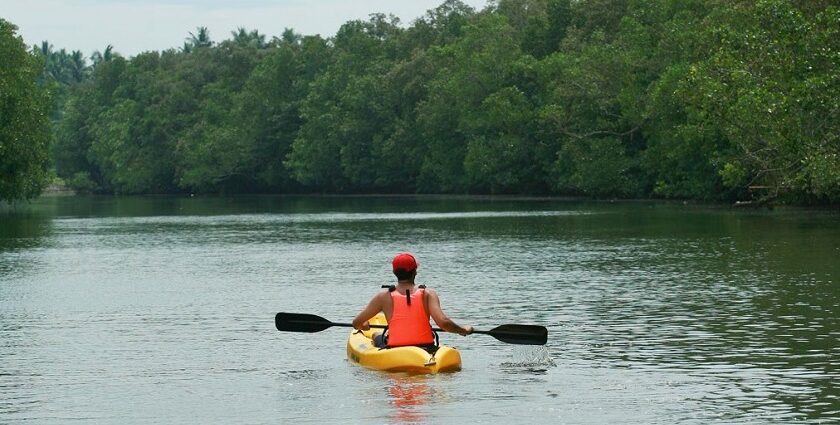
(409, 324)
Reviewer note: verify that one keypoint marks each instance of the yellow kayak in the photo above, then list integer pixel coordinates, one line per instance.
(360, 349)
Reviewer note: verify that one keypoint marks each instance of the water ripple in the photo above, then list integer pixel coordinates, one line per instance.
(656, 315)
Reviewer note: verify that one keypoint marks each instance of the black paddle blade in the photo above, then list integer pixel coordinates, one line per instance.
(298, 322)
(520, 334)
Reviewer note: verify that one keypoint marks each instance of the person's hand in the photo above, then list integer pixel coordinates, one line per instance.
(365, 326)
(467, 330)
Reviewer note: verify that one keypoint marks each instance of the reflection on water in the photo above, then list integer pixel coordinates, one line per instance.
(139, 310)
(407, 395)
(20, 231)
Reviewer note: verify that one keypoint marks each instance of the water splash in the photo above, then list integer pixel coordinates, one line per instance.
(530, 358)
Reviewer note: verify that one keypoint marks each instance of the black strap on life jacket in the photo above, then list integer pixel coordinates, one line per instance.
(392, 288)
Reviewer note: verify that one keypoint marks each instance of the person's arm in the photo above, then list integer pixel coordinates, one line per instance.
(373, 307)
(441, 319)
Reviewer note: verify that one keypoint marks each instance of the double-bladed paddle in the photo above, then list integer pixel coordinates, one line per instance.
(511, 334)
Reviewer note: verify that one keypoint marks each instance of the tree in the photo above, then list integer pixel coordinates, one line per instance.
(104, 56)
(24, 126)
(697, 99)
(200, 39)
(439, 26)
(72, 141)
(500, 150)
(253, 38)
(770, 88)
(467, 72)
(344, 116)
(267, 110)
(289, 36)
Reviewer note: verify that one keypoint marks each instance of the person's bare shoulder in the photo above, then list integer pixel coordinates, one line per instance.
(432, 295)
(375, 300)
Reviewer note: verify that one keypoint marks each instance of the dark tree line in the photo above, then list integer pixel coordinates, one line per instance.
(24, 125)
(694, 99)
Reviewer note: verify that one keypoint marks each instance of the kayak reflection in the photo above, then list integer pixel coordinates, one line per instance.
(407, 394)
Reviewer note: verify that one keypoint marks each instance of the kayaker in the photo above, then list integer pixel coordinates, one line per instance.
(407, 309)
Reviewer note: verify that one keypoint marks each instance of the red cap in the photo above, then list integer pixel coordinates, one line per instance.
(404, 261)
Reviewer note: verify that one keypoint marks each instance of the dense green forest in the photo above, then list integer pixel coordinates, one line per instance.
(716, 100)
(24, 126)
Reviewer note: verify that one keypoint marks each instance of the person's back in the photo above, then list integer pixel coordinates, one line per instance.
(409, 321)
(407, 308)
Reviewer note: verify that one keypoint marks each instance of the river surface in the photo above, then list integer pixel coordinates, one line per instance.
(161, 309)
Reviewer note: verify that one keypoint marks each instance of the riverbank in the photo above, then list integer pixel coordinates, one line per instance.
(223, 204)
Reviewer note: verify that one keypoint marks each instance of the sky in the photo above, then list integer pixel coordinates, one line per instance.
(134, 26)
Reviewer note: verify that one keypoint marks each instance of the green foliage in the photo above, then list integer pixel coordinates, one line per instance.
(24, 126)
(771, 89)
(683, 155)
(346, 111)
(60, 66)
(500, 152)
(696, 99)
(466, 73)
(595, 167)
(82, 183)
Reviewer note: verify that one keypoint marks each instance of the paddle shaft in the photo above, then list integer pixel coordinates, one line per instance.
(498, 333)
(512, 334)
(350, 325)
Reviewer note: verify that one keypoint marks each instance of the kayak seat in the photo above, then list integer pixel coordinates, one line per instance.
(379, 341)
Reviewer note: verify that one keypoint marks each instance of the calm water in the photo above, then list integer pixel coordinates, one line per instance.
(160, 310)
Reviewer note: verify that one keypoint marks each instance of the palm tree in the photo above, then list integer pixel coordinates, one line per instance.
(240, 36)
(291, 37)
(201, 38)
(244, 38)
(99, 57)
(59, 66)
(44, 50)
(78, 67)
